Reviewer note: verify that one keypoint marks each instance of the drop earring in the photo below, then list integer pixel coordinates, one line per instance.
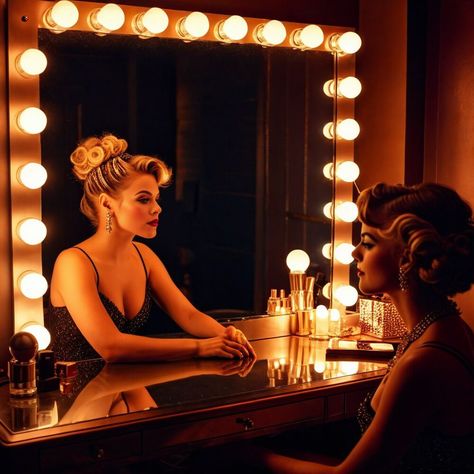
(402, 279)
(108, 222)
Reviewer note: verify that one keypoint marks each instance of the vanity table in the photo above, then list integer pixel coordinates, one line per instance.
(95, 421)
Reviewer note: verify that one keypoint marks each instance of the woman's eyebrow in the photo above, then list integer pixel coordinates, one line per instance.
(369, 235)
(148, 193)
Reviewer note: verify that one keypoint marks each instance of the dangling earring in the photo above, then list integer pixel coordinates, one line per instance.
(402, 279)
(108, 222)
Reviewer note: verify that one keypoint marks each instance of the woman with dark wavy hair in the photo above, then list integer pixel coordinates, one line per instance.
(417, 247)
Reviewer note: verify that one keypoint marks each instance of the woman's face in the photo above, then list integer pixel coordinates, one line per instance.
(136, 209)
(378, 260)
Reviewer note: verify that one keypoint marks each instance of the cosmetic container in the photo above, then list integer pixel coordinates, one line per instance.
(22, 366)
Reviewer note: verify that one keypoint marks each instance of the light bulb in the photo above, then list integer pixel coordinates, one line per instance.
(32, 120)
(31, 62)
(309, 37)
(152, 22)
(329, 88)
(348, 171)
(347, 211)
(297, 261)
(32, 285)
(106, 19)
(31, 231)
(328, 210)
(334, 314)
(271, 33)
(348, 367)
(348, 129)
(349, 87)
(328, 171)
(327, 250)
(32, 175)
(343, 253)
(233, 28)
(346, 295)
(319, 367)
(61, 16)
(193, 26)
(321, 311)
(328, 130)
(41, 334)
(327, 290)
(347, 43)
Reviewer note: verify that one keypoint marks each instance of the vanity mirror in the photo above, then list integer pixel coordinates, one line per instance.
(241, 125)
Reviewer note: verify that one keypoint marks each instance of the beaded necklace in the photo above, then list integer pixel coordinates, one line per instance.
(419, 329)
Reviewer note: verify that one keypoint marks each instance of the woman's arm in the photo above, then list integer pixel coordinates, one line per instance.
(75, 281)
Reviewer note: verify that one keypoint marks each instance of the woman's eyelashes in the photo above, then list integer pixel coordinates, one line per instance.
(146, 200)
(366, 245)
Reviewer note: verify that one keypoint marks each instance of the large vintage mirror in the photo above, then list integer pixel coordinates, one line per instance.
(240, 124)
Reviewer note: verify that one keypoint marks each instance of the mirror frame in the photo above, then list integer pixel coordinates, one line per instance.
(24, 20)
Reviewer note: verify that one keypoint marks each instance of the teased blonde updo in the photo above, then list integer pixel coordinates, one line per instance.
(102, 166)
(434, 224)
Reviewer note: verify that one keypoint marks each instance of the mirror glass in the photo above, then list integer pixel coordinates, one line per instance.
(213, 113)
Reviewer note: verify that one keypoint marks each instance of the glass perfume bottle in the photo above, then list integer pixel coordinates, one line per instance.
(22, 366)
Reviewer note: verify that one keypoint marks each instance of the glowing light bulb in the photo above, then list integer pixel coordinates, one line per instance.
(334, 314)
(348, 367)
(233, 28)
(61, 16)
(347, 211)
(328, 171)
(41, 334)
(31, 231)
(309, 37)
(328, 210)
(349, 87)
(152, 22)
(327, 250)
(193, 26)
(32, 120)
(298, 261)
(319, 367)
(343, 253)
(328, 130)
(348, 171)
(346, 295)
(32, 284)
(31, 62)
(329, 88)
(327, 290)
(32, 175)
(348, 129)
(106, 19)
(347, 43)
(271, 33)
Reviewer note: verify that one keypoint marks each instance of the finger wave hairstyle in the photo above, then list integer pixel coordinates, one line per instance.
(434, 224)
(102, 165)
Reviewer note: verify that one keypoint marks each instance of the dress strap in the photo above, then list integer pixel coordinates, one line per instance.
(454, 352)
(93, 264)
(143, 261)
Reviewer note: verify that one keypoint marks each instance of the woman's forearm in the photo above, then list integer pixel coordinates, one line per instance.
(201, 325)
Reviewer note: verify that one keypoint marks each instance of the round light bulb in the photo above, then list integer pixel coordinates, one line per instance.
(328, 210)
(327, 250)
(193, 26)
(328, 130)
(271, 33)
(347, 211)
(41, 334)
(32, 284)
(329, 88)
(233, 28)
(32, 120)
(31, 62)
(348, 129)
(349, 87)
(328, 171)
(63, 15)
(297, 261)
(110, 17)
(343, 253)
(348, 171)
(32, 175)
(152, 22)
(321, 311)
(349, 42)
(311, 36)
(334, 314)
(327, 290)
(319, 367)
(346, 295)
(31, 231)
(348, 367)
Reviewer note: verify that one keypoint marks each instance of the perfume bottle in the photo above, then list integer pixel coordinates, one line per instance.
(22, 366)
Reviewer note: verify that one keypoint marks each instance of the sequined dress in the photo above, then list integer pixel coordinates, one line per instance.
(432, 451)
(69, 344)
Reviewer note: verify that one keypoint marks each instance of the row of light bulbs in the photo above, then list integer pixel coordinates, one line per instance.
(64, 14)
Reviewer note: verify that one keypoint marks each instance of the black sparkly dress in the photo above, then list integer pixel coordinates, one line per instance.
(69, 344)
(432, 451)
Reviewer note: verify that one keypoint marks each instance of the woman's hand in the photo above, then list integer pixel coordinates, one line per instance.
(221, 346)
(241, 367)
(237, 335)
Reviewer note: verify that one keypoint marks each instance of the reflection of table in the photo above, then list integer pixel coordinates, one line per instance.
(289, 385)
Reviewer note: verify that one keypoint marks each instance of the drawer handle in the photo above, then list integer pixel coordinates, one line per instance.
(98, 453)
(247, 423)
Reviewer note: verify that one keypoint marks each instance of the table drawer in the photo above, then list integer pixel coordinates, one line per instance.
(108, 448)
(211, 428)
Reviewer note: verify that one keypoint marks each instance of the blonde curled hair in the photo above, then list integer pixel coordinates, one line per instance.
(102, 165)
(435, 226)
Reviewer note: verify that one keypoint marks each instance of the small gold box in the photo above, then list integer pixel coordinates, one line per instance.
(380, 319)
